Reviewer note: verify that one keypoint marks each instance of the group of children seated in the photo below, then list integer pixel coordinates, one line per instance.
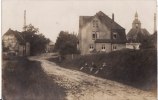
(93, 67)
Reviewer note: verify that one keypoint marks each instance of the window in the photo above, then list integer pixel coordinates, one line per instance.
(103, 48)
(91, 47)
(94, 35)
(114, 35)
(114, 47)
(95, 23)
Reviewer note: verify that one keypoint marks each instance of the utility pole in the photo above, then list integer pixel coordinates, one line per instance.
(155, 23)
(24, 27)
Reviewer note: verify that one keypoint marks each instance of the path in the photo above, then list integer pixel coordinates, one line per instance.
(81, 86)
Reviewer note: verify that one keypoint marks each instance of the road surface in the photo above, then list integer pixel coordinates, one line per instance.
(81, 86)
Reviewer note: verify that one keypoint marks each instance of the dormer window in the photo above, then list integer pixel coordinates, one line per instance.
(114, 35)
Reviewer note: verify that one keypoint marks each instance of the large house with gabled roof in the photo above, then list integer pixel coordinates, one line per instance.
(14, 42)
(100, 33)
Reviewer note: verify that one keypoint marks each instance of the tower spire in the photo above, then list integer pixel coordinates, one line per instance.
(136, 22)
(136, 15)
(155, 22)
(24, 20)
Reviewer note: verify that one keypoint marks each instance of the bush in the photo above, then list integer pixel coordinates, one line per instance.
(133, 67)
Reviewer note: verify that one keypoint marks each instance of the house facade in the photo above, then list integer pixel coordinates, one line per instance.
(50, 46)
(14, 42)
(100, 33)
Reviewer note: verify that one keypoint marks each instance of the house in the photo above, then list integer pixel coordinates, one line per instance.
(100, 33)
(50, 46)
(137, 34)
(14, 42)
(133, 45)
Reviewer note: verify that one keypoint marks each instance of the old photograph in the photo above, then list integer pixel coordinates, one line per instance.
(79, 49)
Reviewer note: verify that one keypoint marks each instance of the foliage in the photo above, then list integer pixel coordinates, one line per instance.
(66, 43)
(38, 41)
(148, 41)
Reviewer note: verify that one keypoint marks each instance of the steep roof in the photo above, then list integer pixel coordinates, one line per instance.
(17, 34)
(110, 23)
(134, 32)
(137, 33)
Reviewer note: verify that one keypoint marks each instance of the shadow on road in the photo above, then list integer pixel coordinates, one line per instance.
(25, 80)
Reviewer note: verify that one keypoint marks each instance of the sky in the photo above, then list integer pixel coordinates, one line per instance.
(52, 16)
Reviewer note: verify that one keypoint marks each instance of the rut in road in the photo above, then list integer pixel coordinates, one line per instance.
(81, 86)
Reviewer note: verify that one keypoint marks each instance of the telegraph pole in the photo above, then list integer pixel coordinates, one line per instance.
(155, 23)
(24, 28)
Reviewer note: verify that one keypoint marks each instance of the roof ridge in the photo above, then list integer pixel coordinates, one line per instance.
(16, 34)
(105, 19)
(108, 21)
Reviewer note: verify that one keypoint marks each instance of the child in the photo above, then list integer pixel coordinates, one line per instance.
(93, 67)
(85, 65)
(104, 64)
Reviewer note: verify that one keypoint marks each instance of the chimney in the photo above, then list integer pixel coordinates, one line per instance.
(113, 17)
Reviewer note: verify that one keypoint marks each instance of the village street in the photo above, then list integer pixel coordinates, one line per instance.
(81, 86)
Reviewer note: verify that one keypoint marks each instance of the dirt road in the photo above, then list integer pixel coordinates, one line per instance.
(81, 86)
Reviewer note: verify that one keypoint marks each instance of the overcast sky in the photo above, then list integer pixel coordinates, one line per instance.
(52, 16)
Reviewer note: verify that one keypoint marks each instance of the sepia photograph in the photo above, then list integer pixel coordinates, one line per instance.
(79, 49)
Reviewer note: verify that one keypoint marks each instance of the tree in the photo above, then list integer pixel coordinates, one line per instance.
(66, 43)
(149, 42)
(37, 41)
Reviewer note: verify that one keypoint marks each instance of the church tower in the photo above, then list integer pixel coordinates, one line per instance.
(136, 23)
(137, 33)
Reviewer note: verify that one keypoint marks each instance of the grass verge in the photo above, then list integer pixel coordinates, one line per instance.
(26, 80)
